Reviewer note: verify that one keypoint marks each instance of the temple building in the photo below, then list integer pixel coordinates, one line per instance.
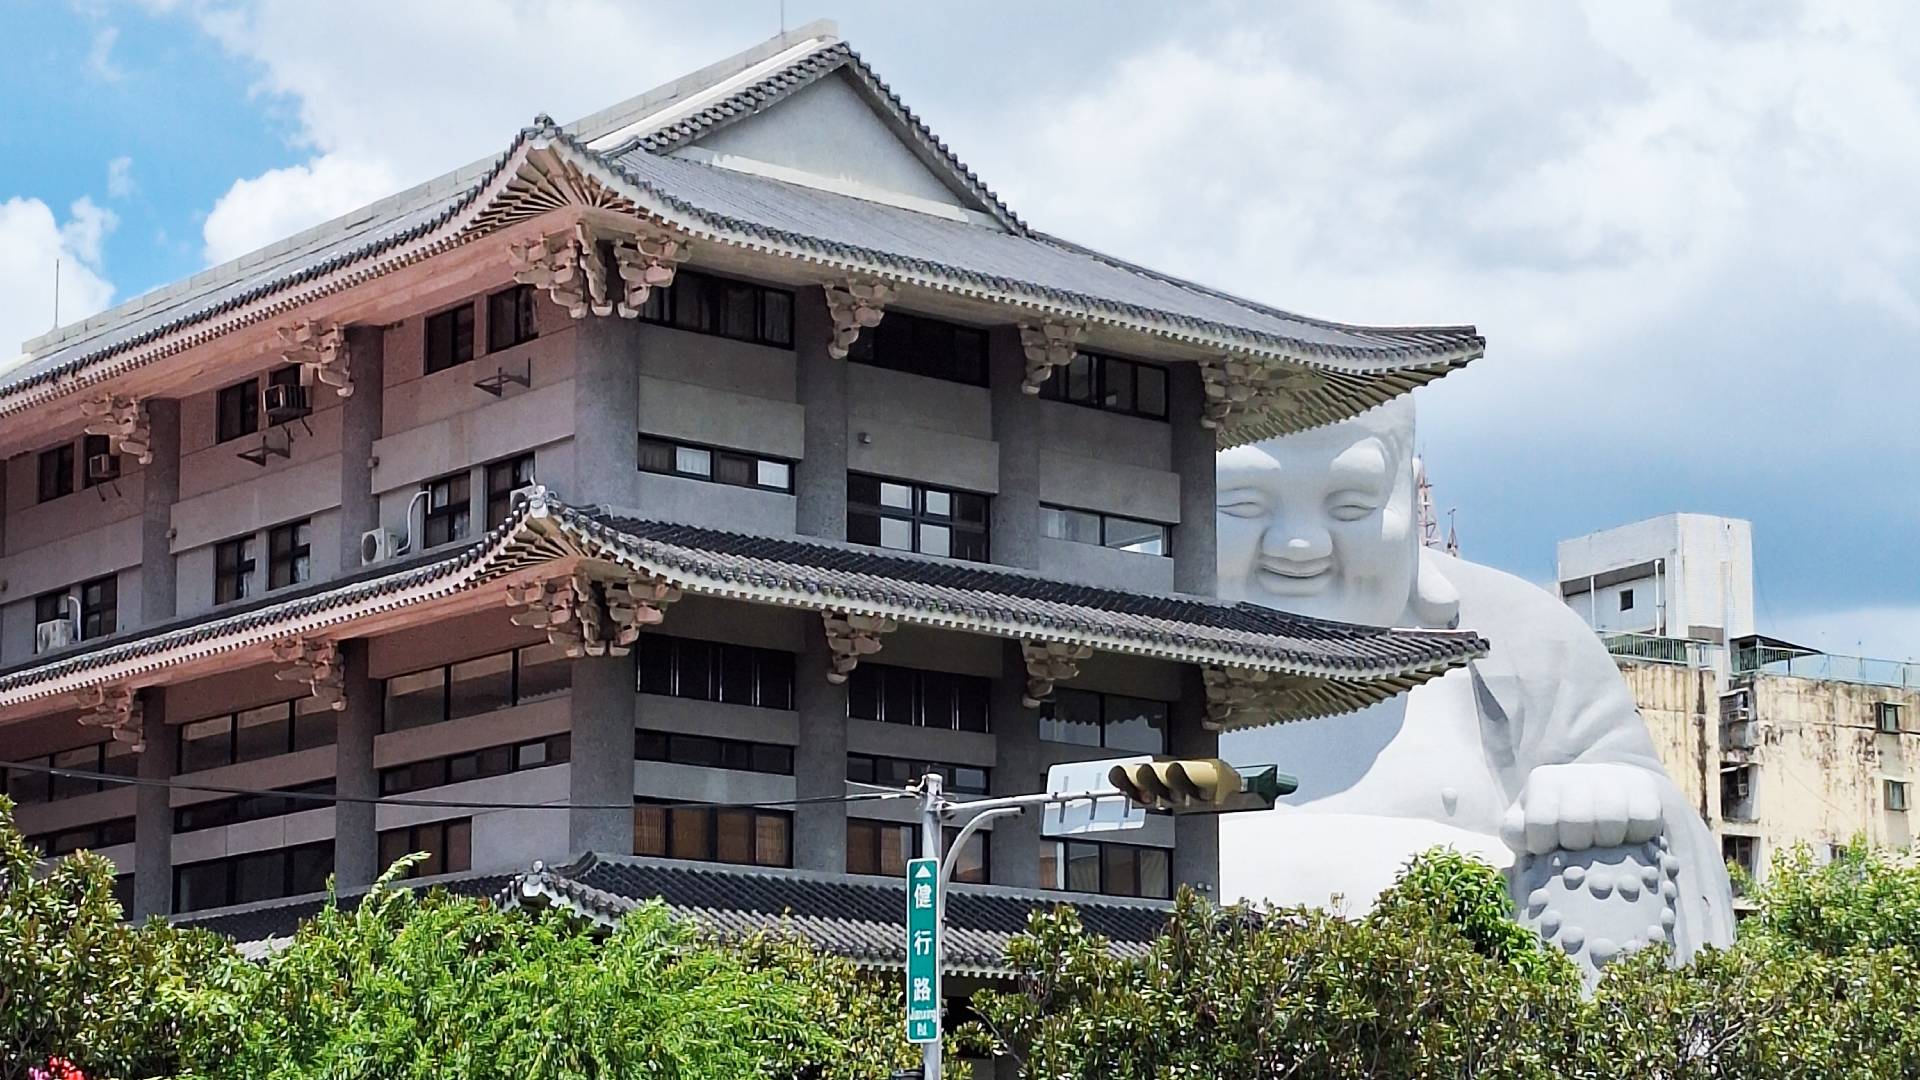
(625, 501)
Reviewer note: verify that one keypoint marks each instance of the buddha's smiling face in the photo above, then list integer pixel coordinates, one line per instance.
(1322, 523)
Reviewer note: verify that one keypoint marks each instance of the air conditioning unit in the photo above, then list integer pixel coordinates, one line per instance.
(282, 402)
(103, 467)
(53, 634)
(378, 545)
(523, 493)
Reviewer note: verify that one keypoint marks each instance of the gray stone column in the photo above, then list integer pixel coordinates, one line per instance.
(1016, 428)
(819, 761)
(153, 811)
(601, 769)
(1016, 771)
(1196, 562)
(356, 849)
(1196, 837)
(820, 479)
(161, 485)
(361, 419)
(606, 415)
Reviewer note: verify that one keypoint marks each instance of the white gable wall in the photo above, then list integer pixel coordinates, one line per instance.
(829, 130)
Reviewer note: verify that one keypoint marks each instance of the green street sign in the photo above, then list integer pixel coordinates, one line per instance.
(923, 950)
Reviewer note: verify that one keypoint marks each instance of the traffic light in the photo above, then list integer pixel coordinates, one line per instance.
(1200, 785)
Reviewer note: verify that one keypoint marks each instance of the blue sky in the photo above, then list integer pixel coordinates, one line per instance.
(1691, 234)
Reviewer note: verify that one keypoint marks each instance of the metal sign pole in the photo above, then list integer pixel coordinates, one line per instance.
(926, 925)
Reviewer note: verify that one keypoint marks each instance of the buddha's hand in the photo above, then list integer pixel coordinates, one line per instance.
(1580, 806)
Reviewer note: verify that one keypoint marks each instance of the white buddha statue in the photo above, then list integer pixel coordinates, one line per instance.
(1533, 758)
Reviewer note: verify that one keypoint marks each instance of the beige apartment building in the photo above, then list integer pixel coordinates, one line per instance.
(630, 502)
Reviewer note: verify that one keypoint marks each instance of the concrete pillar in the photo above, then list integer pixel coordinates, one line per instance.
(820, 479)
(161, 484)
(361, 419)
(152, 811)
(1196, 837)
(606, 416)
(356, 849)
(819, 761)
(1016, 771)
(1016, 428)
(1196, 563)
(604, 704)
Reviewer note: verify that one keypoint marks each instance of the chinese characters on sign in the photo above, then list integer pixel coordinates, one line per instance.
(923, 950)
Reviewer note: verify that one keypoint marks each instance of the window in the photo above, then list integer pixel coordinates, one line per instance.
(288, 376)
(503, 478)
(289, 554)
(1741, 852)
(475, 686)
(923, 346)
(1087, 718)
(112, 758)
(56, 472)
(95, 446)
(1626, 599)
(711, 753)
(912, 517)
(88, 837)
(1736, 793)
(99, 607)
(1896, 794)
(1111, 384)
(260, 875)
(236, 411)
(1106, 530)
(244, 808)
(233, 569)
(252, 734)
(740, 310)
(883, 848)
(718, 466)
(1106, 869)
(448, 511)
(1886, 716)
(934, 699)
(510, 319)
(449, 338)
(900, 772)
(706, 834)
(476, 764)
(715, 671)
(49, 607)
(448, 846)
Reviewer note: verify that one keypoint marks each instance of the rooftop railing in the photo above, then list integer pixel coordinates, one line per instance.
(1654, 649)
(1770, 660)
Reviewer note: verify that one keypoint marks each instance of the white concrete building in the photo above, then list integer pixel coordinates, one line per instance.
(1677, 576)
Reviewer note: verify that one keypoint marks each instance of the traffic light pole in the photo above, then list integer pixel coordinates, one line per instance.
(932, 802)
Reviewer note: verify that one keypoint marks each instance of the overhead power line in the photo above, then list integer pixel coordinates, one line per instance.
(444, 804)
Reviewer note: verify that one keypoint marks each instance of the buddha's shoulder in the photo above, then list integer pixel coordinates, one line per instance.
(1495, 602)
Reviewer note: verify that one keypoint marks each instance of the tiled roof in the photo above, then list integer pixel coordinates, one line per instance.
(1337, 667)
(261, 927)
(837, 234)
(862, 918)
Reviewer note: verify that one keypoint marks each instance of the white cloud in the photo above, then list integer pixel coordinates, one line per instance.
(100, 54)
(31, 242)
(281, 202)
(120, 177)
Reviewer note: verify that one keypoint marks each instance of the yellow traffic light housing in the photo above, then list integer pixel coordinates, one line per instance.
(1199, 785)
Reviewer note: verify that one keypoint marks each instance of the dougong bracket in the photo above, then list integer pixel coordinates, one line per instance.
(585, 617)
(1049, 662)
(1238, 384)
(123, 420)
(858, 305)
(320, 350)
(315, 662)
(1048, 345)
(645, 262)
(118, 710)
(568, 266)
(850, 638)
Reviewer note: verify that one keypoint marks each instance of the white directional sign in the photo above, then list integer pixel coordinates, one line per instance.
(1077, 816)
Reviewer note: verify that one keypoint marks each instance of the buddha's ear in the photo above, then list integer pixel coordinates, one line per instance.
(1435, 602)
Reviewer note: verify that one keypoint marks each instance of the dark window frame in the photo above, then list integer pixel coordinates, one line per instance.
(56, 472)
(712, 830)
(231, 864)
(294, 564)
(99, 607)
(753, 461)
(516, 692)
(89, 837)
(556, 749)
(236, 411)
(1104, 520)
(1626, 599)
(50, 787)
(911, 343)
(772, 670)
(435, 839)
(511, 310)
(292, 742)
(908, 839)
(241, 809)
(1108, 887)
(734, 755)
(918, 517)
(1105, 702)
(503, 478)
(964, 690)
(233, 567)
(1886, 717)
(870, 765)
(448, 338)
(452, 517)
(772, 308)
(1103, 371)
